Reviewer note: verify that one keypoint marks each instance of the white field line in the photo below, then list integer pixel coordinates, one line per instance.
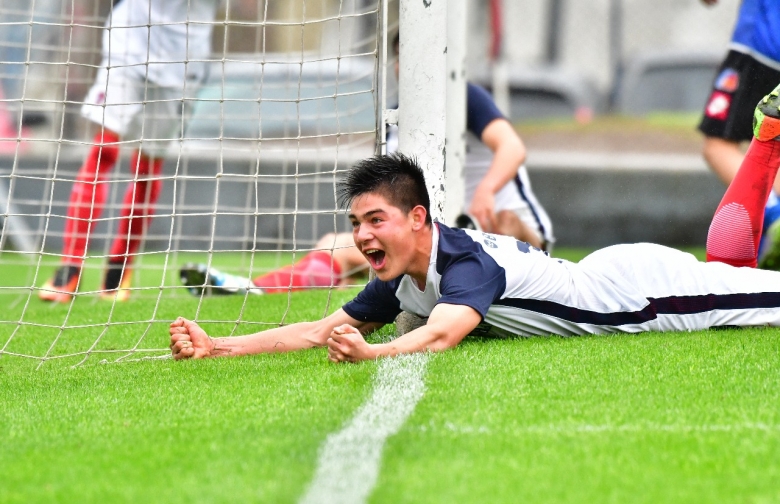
(553, 429)
(349, 460)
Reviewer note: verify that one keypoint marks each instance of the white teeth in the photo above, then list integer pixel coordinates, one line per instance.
(371, 251)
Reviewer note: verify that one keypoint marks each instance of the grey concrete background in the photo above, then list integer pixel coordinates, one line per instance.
(599, 207)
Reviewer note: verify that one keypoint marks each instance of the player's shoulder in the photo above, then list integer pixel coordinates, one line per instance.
(481, 110)
(462, 247)
(477, 95)
(377, 302)
(453, 240)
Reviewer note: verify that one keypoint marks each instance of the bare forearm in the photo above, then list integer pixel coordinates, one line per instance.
(508, 154)
(423, 339)
(282, 339)
(503, 168)
(446, 327)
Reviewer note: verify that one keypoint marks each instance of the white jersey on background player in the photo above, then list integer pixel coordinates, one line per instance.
(154, 53)
(517, 195)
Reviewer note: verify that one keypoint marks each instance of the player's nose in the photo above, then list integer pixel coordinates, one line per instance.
(363, 234)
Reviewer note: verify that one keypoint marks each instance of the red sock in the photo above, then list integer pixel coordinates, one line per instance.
(316, 269)
(137, 207)
(88, 196)
(735, 230)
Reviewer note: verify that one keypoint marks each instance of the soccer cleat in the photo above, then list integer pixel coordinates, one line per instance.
(466, 221)
(61, 287)
(769, 258)
(116, 283)
(766, 118)
(204, 280)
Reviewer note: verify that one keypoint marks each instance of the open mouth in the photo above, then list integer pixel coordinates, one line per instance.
(376, 258)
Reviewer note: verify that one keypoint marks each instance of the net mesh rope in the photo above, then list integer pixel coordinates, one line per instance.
(288, 102)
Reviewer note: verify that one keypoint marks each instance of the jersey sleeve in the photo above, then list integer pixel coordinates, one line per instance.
(376, 303)
(469, 276)
(481, 110)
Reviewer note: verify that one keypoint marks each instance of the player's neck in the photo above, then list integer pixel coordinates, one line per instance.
(418, 268)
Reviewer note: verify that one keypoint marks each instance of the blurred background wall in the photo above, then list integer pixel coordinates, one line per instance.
(596, 37)
(594, 43)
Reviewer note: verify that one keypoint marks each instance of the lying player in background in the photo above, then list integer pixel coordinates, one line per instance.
(468, 282)
(499, 199)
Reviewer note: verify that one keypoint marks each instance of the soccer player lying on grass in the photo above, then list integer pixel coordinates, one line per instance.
(465, 280)
(468, 280)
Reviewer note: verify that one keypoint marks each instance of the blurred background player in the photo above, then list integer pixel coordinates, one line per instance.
(750, 70)
(498, 195)
(153, 53)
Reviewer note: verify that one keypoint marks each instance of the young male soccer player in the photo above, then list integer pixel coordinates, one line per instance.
(153, 52)
(465, 280)
(750, 69)
(498, 197)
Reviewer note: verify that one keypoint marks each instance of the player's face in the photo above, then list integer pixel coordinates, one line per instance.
(384, 234)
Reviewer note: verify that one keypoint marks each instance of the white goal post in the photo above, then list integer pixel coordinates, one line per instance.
(295, 93)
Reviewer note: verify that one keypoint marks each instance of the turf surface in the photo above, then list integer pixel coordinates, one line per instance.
(676, 417)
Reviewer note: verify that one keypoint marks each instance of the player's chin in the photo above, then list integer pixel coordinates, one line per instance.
(386, 274)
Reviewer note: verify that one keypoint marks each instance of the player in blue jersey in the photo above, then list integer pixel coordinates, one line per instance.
(750, 70)
(466, 281)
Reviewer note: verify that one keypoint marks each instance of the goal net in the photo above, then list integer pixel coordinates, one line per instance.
(285, 98)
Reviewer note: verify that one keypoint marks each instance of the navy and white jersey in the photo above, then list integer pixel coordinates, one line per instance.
(757, 31)
(520, 290)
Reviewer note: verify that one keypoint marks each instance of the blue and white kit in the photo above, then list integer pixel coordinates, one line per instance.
(520, 290)
(517, 195)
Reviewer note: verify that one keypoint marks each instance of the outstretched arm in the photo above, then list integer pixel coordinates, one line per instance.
(508, 154)
(188, 340)
(446, 327)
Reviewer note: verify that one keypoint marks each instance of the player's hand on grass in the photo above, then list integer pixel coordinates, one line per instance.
(482, 208)
(346, 344)
(188, 340)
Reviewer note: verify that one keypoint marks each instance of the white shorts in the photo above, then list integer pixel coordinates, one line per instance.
(726, 295)
(636, 288)
(124, 102)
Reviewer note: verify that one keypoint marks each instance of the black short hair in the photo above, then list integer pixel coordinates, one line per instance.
(398, 178)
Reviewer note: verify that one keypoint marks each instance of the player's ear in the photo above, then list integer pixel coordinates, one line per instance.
(418, 215)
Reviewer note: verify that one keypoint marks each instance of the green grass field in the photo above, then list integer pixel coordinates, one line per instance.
(675, 417)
